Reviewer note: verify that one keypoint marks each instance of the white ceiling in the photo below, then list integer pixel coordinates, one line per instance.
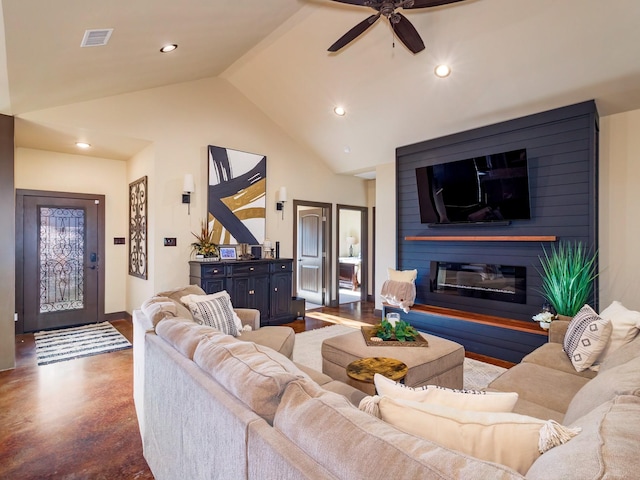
(509, 57)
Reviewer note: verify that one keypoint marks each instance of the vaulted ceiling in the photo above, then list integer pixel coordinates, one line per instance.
(509, 58)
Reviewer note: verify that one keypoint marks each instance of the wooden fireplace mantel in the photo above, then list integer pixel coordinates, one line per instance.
(494, 238)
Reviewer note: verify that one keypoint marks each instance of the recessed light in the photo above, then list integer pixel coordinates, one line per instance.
(169, 48)
(347, 149)
(83, 145)
(442, 71)
(340, 111)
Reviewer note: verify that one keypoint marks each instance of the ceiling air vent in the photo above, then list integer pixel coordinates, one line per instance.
(96, 38)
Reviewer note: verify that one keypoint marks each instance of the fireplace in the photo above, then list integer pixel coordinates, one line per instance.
(504, 283)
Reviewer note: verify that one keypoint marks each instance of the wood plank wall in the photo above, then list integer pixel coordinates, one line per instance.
(562, 151)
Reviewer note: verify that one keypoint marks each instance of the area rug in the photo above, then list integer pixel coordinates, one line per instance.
(59, 345)
(306, 350)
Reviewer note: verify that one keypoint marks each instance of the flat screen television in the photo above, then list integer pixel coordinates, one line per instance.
(484, 189)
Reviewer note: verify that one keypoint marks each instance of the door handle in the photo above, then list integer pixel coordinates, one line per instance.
(93, 267)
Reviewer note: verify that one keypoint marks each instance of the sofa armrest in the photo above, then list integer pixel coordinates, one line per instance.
(249, 316)
(557, 331)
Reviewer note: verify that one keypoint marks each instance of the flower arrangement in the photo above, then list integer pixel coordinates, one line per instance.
(544, 317)
(401, 331)
(205, 245)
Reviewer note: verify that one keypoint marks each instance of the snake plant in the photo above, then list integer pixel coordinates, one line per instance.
(567, 276)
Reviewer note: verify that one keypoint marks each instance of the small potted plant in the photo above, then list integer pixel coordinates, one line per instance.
(205, 247)
(399, 330)
(567, 276)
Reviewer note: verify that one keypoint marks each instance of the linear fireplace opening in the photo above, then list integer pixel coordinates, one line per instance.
(505, 283)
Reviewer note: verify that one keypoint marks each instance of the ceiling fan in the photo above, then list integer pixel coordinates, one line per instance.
(402, 27)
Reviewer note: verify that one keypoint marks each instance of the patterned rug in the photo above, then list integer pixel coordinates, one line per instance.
(306, 350)
(59, 345)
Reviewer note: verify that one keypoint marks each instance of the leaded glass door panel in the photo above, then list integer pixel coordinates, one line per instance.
(61, 262)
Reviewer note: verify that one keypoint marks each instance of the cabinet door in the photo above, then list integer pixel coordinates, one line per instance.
(239, 288)
(260, 296)
(213, 285)
(280, 297)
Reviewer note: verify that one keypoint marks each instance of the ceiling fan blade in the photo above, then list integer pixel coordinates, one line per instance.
(352, 2)
(352, 34)
(407, 34)
(427, 3)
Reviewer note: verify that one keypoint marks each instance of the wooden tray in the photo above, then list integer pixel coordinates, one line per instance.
(368, 332)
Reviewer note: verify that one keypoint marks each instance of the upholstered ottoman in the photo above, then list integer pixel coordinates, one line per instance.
(441, 363)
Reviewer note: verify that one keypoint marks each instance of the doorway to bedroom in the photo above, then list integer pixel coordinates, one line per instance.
(352, 253)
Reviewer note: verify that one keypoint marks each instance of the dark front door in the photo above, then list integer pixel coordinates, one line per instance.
(61, 261)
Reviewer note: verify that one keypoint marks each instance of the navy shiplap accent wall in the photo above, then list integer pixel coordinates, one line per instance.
(562, 152)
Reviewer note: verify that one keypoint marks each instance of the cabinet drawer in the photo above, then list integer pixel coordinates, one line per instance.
(284, 266)
(213, 270)
(250, 269)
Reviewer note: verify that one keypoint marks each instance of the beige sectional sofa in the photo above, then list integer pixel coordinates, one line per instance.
(217, 407)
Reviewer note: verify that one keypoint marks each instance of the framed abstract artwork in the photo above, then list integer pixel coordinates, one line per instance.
(138, 228)
(236, 196)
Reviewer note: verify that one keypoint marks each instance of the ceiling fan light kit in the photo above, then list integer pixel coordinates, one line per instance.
(402, 27)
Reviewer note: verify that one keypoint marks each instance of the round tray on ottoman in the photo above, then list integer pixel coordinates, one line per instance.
(441, 363)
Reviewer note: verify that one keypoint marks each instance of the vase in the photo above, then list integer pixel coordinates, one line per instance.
(545, 325)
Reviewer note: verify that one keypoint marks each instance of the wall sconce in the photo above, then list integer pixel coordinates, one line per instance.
(282, 198)
(188, 187)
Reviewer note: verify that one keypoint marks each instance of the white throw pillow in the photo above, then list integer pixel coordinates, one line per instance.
(586, 337)
(463, 399)
(402, 275)
(624, 327)
(187, 299)
(509, 439)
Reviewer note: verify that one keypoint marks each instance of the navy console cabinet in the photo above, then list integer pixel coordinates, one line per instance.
(261, 284)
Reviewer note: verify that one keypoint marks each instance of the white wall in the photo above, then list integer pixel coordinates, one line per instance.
(619, 209)
(385, 225)
(180, 121)
(43, 170)
(350, 223)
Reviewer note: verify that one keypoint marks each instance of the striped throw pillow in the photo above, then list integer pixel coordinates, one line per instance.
(216, 313)
(586, 337)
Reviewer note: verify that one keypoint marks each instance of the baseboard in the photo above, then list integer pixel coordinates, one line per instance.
(117, 316)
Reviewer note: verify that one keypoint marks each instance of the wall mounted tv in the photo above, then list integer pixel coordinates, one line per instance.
(480, 190)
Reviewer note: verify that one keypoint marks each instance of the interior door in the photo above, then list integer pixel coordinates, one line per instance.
(311, 255)
(61, 262)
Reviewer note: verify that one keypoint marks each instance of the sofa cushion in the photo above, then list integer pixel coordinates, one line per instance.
(254, 374)
(176, 294)
(625, 324)
(552, 355)
(622, 355)
(623, 379)
(463, 399)
(608, 443)
(159, 308)
(352, 444)
(502, 437)
(280, 338)
(184, 334)
(542, 385)
(586, 337)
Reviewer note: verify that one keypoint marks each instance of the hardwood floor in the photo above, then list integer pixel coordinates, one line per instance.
(75, 420)
(70, 420)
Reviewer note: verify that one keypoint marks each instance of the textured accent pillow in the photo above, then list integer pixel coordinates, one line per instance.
(216, 313)
(624, 327)
(510, 439)
(402, 275)
(187, 299)
(463, 399)
(587, 336)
